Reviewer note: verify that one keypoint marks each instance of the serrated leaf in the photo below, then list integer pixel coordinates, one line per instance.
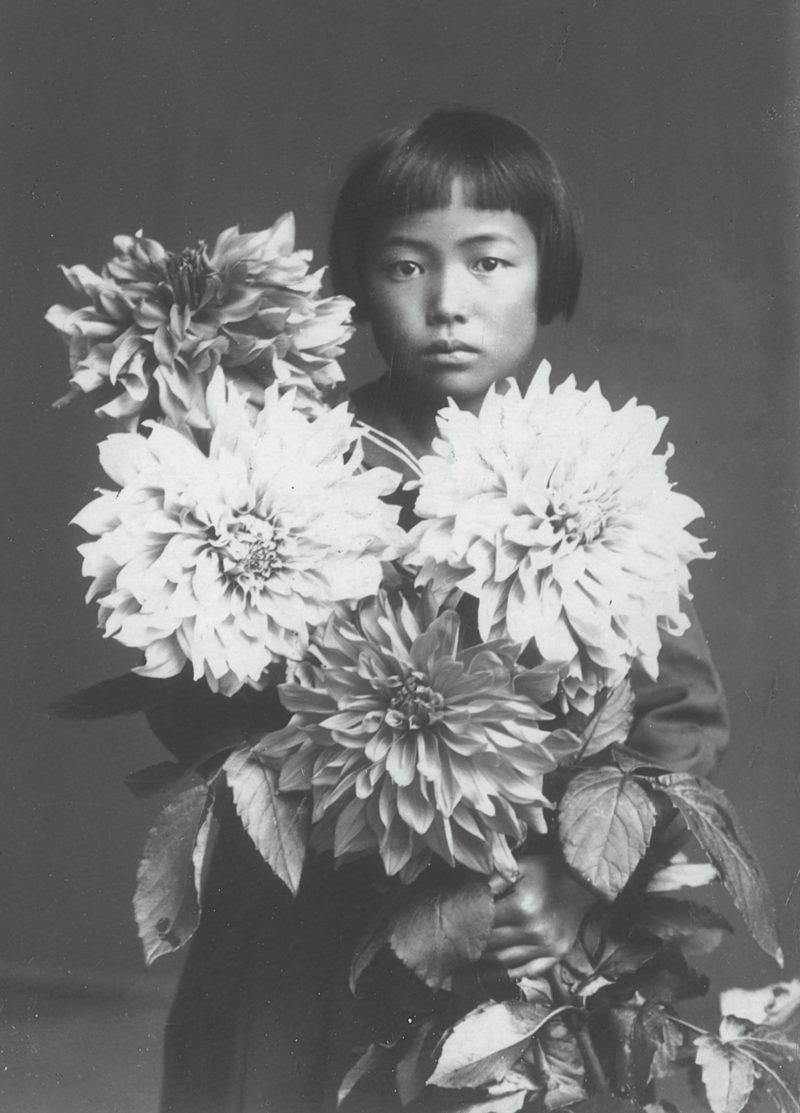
(442, 927)
(194, 723)
(693, 927)
(632, 1057)
(630, 761)
(155, 778)
(121, 695)
(483, 1046)
(368, 948)
(166, 902)
(607, 1103)
(493, 1103)
(774, 1054)
(779, 1093)
(411, 1072)
(619, 958)
(278, 823)
(711, 818)
(605, 822)
(656, 1041)
(625, 956)
(611, 723)
(667, 978)
(560, 1066)
(728, 1076)
(364, 1066)
(204, 849)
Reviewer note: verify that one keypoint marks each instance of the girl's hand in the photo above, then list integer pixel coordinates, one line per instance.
(537, 920)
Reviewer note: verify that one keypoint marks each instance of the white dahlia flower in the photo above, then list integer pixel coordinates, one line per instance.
(228, 560)
(556, 513)
(413, 745)
(159, 323)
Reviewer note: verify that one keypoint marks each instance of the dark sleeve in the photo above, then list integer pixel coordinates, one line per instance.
(681, 719)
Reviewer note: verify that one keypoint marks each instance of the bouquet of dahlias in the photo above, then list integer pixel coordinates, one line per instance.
(447, 698)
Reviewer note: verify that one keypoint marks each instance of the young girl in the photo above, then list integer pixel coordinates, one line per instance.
(457, 240)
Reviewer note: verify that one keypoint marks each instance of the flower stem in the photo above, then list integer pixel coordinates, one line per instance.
(594, 1068)
(65, 399)
(690, 1027)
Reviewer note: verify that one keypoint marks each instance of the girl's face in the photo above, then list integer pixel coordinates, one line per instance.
(451, 296)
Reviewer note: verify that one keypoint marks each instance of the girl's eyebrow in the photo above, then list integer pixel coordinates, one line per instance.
(421, 245)
(487, 237)
(403, 241)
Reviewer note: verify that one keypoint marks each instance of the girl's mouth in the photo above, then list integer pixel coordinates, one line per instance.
(448, 347)
(449, 353)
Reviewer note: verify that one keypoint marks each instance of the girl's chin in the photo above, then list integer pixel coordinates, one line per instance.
(463, 386)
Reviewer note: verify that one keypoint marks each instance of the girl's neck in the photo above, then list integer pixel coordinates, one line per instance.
(408, 417)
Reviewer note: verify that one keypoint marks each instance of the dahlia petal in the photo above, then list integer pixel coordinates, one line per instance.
(414, 809)
(396, 848)
(349, 827)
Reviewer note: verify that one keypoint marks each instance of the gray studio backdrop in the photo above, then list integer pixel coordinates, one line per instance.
(676, 122)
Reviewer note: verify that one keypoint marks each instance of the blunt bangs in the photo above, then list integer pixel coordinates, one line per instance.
(501, 167)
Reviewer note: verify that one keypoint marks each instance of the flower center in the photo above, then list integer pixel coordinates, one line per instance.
(579, 522)
(414, 703)
(254, 547)
(186, 275)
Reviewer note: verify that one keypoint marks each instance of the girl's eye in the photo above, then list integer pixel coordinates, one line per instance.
(488, 264)
(403, 268)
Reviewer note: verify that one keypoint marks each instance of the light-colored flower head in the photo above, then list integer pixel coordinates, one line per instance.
(413, 745)
(556, 513)
(160, 323)
(228, 560)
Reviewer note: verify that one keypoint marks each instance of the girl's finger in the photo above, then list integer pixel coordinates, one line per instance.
(500, 886)
(516, 957)
(511, 936)
(533, 969)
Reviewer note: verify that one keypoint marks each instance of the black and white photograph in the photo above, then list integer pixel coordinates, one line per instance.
(401, 649)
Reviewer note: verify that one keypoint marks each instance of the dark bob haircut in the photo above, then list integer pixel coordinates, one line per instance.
(501, 165)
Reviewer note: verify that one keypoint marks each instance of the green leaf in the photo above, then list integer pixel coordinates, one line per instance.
(711, 818)
(483, 1046)
(630, 761)
(624, 956)
(278, 823)
(656, 1041)
(494, 1102)
(668, 977)
(194, 723)
(167, 902)
(412, 1071)
(611, 723)
(728, 1076)
(442, 926)
(693, 927)
(560, 1066)
(619, 958)
(605, 822)
(775, 1056)
(369, 947)
(366, 1064)
(607, 1103)
(121, 695)
(155, 778)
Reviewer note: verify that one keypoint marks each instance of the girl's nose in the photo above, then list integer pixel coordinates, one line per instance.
(447, 299)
